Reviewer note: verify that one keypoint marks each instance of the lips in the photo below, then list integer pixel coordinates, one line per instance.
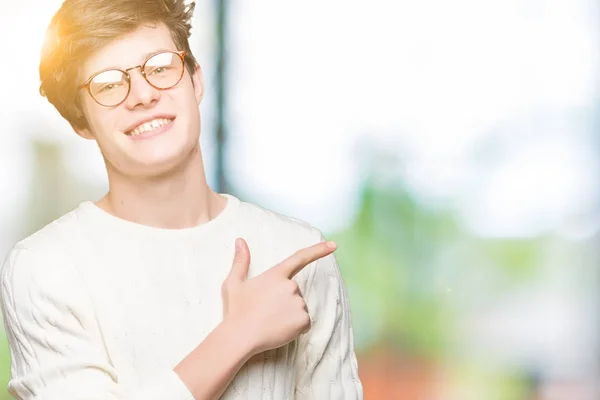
(149, 124)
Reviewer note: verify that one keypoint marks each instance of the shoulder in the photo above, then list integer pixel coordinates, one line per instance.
(53, 236)
(43, 257)
(41, 288)
(279, 229)
(272, 237)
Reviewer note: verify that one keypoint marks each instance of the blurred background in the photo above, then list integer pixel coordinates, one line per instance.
(452, 149)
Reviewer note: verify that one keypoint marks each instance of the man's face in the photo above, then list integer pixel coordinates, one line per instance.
(165, 143)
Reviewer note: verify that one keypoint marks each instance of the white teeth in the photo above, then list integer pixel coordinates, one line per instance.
(149, 126)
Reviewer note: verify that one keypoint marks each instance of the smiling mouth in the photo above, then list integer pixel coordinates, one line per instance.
(149, 126)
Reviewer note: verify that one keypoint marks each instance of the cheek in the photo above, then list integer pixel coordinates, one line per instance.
(192, 103)
(102, 120)
(188, 92)
(186, 105)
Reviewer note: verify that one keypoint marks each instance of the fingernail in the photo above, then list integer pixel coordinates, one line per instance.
(238, 244)
(331, 245)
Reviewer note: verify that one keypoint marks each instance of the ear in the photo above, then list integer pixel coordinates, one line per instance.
(83, 130)
(84, 133)
(198, 81)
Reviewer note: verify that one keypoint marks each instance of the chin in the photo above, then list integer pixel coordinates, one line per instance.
(165, 162)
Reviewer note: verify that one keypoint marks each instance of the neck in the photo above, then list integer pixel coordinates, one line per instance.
(179, 199)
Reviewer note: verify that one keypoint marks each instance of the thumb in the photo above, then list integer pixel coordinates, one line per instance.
(241, 261)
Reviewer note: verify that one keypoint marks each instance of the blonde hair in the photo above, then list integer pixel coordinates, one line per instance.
(81, 27)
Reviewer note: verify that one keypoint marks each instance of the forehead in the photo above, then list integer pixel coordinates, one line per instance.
(130, 49)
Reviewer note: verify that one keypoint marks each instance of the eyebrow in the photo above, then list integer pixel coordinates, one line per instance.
(147, 55)
(143, 58)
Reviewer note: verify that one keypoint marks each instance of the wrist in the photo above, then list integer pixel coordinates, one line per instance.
(241, 340)
(211, 366)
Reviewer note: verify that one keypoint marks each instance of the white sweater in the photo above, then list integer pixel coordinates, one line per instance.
(96, 307)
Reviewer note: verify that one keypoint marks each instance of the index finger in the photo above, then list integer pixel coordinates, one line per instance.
(300, 259)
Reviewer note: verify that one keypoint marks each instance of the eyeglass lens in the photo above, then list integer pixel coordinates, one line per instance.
(163, 71)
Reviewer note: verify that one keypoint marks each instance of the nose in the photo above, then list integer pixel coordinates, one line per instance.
(141, 93)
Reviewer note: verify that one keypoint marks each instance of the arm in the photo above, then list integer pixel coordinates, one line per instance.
(57, 351)
(326, 362)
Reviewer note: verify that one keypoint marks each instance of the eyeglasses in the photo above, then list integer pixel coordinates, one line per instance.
(110, 87)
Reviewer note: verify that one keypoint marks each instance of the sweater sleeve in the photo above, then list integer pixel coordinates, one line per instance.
(326, 361)
(56, 346)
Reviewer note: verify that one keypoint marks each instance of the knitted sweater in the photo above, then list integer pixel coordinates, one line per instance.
(97, 307)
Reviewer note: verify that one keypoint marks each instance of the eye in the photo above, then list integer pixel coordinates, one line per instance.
(108, 87)
(158, 70)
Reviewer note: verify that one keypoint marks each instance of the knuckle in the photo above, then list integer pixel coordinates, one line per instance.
(225, 286)
(291, 287)
(307, 323)
(306, 258)
(302, 257)
(304, 306)
(299, 253)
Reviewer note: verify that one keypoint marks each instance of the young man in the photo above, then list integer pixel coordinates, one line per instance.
(136, 296)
